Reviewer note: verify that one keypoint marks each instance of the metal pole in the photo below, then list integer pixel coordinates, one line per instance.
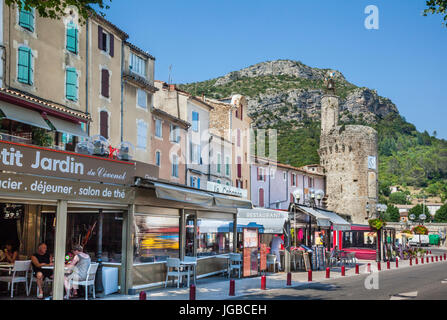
(59, 250)
(98, 279)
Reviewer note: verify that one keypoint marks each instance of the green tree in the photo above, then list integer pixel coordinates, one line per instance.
(437, 7)
(392, 214)
(55, 9)
(441, 214)
(417, 210)
(398, 198)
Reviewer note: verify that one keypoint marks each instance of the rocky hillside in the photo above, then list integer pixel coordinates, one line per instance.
(287, 90)
(286, 95)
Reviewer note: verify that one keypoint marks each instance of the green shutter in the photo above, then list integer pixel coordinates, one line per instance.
(25, 70)
(72, 84)
(26, 18)
(72, 38)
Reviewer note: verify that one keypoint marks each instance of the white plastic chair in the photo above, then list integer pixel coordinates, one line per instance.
(89, 280)
(17, 276)
(271, 260)
(34, 280)
(194, 268)
(235, 264)
(174, 264)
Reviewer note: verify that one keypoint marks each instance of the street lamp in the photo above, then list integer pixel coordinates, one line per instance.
(319, 196)
(380, 209)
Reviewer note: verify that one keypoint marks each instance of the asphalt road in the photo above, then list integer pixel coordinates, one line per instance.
(423, 282)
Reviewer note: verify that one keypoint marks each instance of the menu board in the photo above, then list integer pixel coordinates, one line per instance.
(263, 259)
(250, 238)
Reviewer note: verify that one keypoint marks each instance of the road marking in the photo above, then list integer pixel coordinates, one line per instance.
(404, 296)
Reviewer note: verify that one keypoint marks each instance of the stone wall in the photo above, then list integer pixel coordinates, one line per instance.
(351, 182)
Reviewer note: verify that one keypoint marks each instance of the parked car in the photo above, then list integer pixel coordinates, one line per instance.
(417, 239)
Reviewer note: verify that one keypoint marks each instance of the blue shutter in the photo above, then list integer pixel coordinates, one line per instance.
(198, 183)
(26, 18)
(191, 181)
(72, 38)
(195, 121)
(25, 71)
(72, 84)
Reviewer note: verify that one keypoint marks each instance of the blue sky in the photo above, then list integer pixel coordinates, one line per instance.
(405, 60)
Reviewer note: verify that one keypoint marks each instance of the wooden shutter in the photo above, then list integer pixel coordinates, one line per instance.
(242, 111)
(104, 124)
(100, 35)
(239, 167)
(261, 197)
(105, 83)
(112, 45)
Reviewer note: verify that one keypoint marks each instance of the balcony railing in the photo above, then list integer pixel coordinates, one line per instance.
(16, 139)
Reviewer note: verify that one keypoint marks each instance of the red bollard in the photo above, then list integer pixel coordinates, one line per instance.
(309, 276)
(432, 259)
(437, 259)
(343, 271)
(422, 260)
(397, 263)
(417, 261)
(379, 266)
(143, 295)
(430, 251)
(428, 261)
(192, 292)
(445, 255)
(411, 262)
(328, 273)
(232, 286)
(263, 283)
(289, 279)
(369, 268)
(388, 264)
(357, 271)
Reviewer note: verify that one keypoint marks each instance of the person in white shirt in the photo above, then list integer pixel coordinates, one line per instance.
(275, 247)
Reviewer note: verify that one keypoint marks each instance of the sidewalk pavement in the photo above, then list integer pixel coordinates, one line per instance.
(217, 287)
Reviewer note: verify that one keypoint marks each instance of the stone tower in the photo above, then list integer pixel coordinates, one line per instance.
(349, 156)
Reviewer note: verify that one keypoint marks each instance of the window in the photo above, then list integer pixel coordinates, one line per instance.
(105, 83)
(142, 98)
(25, 66)
(72, 38)
(195, 153)
(194, 182)
(158, 128)
(106, 41)
(227, 183)
(358, 239)
(285, 176)
(26, 18)
(195, 121)
(239, 184)
(214, 237)
(261, 197)
(218, 181)
(71, 84)
(156, 238)
(261, 174)
(137, 65)
(227, 166)
(293, 180)
(175, 165)
(175, 134)
(141, 134)
(219, 162)
(158, 158)
(104, 124)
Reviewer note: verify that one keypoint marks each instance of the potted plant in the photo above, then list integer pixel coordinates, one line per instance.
(376, 224)
(421, 230)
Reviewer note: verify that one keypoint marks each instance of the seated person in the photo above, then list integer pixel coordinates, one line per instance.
(11, 253)
(80, 264)
(40, 259)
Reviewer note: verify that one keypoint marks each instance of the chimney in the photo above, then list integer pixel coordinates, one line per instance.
(172, 87)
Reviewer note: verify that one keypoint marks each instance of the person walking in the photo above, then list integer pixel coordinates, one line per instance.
(275, 247)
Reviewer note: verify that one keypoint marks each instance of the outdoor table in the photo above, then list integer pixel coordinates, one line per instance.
(6, 266)
(188, 265)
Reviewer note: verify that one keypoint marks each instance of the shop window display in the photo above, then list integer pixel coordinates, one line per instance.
(213, 237)
(359, 239)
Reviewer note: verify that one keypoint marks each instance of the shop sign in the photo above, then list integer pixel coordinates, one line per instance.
(60, 189)
(267, 214)
(146, 171)
(54, 163)
(221, 188)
